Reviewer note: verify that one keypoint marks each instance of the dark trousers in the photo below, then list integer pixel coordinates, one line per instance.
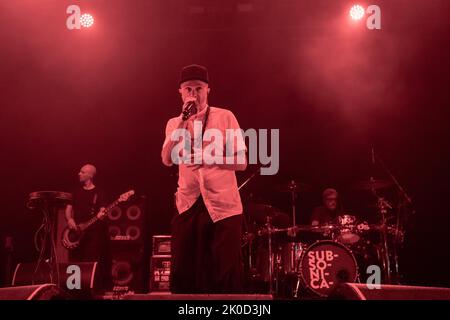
(206, 256)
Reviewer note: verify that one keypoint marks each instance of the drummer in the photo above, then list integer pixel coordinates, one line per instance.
(329, 211)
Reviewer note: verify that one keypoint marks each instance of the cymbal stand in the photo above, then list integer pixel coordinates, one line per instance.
(383, 205)
(292, 187)
(399, 235)
(248, 236)
(405, 200)
(297, 285)
(270, 230)
(249, 178)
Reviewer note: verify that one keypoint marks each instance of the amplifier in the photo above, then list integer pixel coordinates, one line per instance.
(160, 273)
(161, 245)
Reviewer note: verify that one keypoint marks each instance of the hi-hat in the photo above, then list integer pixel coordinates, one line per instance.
(259, 212)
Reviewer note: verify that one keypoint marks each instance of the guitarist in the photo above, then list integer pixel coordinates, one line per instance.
(89, 200)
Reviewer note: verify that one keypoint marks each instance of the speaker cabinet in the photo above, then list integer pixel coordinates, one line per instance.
(36, 292)
(127, 231)
(358, 291)
(126, 222)
(127, 268)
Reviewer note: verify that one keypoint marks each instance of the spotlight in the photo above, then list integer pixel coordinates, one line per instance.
(86, 20)
(357, 12)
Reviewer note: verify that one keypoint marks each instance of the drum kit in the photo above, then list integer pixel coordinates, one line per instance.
(291, 260)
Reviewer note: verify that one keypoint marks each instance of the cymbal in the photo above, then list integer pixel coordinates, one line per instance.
(258, 212)
(318, 229)
(373, 183)
(309, 228)
(293, 186)
(379, 227)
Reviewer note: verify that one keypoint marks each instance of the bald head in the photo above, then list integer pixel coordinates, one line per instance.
(87, 172)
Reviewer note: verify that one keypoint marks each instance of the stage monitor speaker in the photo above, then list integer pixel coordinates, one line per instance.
(26, 274)
(46, 291)
(358, 291)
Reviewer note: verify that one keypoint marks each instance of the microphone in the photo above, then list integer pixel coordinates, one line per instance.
(189, 110)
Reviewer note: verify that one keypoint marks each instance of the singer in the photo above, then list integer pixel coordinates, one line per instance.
(206, 232)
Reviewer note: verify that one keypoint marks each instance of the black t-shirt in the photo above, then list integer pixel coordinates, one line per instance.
(87, 203)
(324, 215)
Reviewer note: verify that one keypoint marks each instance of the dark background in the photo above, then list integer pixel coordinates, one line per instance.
(333, 88)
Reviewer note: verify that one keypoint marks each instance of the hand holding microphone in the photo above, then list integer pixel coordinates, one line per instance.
(189, 108)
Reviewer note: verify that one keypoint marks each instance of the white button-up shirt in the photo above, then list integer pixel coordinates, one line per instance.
(218, 186)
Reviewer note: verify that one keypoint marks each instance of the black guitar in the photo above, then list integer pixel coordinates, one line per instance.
(71, 238)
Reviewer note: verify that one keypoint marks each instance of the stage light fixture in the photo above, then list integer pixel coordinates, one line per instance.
(357, 12)
(86, 20)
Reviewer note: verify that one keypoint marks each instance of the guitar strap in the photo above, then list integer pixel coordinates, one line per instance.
(206, 121)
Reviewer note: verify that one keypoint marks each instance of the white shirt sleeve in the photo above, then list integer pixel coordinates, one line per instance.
(169, 129)
(239, 142)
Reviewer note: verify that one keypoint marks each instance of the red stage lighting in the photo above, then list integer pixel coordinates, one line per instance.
(357, 12)
(86, 20)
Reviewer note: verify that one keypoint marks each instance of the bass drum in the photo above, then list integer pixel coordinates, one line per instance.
(325, 264)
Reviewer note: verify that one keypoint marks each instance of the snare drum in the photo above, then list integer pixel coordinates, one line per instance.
(325, 264)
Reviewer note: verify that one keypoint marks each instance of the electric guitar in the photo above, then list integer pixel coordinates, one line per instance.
(71, 238)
